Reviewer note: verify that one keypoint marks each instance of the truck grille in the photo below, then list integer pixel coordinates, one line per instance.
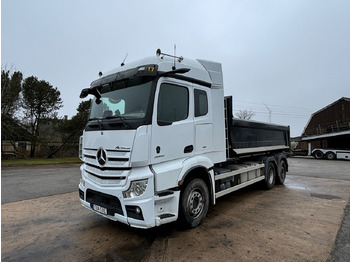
(113, 173)
(115, 157)
(106, 176)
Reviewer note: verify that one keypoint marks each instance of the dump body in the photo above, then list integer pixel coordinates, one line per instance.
(247, 137)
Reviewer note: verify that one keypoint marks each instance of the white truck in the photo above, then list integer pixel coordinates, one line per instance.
(330, 154)
(161, 144)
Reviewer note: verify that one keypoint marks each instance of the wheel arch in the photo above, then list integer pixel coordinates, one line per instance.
(201, 172)
(268, 159)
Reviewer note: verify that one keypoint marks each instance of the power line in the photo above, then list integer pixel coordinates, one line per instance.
(276, 110)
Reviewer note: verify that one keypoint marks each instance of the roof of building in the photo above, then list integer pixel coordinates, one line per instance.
(347, 99)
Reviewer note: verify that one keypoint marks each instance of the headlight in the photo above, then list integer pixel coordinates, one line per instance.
(137, 188)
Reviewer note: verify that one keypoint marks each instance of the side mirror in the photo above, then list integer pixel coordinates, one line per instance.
(84, 93)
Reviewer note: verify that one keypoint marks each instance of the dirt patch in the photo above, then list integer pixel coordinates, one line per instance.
(288, 223)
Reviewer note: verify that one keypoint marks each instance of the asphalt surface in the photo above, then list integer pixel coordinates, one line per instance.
(28, 182)
(331, 169)
(308, 219)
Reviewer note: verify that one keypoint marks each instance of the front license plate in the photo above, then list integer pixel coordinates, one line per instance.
(99, 209)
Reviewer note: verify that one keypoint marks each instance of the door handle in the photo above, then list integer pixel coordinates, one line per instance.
(188, 149)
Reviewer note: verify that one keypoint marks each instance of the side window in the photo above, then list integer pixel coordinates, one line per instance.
(172, 104)
(200, 103)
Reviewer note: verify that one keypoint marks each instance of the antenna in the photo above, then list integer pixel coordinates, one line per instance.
(270, 112)
(122, 64)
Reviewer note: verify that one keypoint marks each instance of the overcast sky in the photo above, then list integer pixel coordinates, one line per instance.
(289, 58)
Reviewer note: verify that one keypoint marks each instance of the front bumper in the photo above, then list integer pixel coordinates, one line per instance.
(126, 213)
(146, 211)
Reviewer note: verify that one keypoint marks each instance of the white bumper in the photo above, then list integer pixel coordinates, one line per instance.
(146, 211)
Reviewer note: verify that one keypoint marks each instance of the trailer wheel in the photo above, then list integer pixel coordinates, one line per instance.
(330, 156)
(270, 176)
(281, 176)
(194, 203)
(318, 154)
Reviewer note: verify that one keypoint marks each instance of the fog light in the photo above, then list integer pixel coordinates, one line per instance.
(134, 212)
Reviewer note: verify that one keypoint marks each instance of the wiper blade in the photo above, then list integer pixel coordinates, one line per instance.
(121, 118)
(98, 121)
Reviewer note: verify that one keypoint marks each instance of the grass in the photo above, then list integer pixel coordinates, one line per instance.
(39, 161)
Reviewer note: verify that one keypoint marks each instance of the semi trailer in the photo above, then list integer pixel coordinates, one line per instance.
(161, 143)
(330, 154)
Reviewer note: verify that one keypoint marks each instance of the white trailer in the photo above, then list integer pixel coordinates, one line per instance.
(161, 144)
(330, 154)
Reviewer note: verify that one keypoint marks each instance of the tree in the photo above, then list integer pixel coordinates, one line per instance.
(11, 130)
(72, 129)
(11, 87)
(40, 101)
(245, 114)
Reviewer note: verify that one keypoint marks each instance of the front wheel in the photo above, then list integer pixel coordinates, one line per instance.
(194, 203)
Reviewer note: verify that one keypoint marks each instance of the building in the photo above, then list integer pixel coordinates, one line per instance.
(329, 127)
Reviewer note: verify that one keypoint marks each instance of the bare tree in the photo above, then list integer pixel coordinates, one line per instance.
(245, 114)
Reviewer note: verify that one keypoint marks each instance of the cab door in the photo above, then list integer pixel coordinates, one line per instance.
(172, 123)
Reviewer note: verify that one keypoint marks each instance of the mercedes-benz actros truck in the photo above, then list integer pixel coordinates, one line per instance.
(161, 143)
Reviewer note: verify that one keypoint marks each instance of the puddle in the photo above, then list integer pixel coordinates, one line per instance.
(295, 186)
(324, 196)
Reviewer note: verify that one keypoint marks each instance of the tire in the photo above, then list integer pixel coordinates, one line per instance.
(318, 154)
(194, 203)
(282, 172)
(270, 175)
(330, 156)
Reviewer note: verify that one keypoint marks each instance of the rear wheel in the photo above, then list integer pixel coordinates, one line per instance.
(194, 203)
(270, 175)
(330, 156)
(281, 176)
(318, 154)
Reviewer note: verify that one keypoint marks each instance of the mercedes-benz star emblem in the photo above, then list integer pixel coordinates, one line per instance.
(101, 156)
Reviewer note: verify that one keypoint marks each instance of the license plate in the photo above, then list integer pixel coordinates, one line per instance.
(99, 209)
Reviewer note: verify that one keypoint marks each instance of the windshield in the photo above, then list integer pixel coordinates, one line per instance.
(124, 100)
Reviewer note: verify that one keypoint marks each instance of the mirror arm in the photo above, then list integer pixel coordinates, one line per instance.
(90, 91)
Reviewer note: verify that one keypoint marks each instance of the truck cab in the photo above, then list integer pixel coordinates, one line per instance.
(161, 143)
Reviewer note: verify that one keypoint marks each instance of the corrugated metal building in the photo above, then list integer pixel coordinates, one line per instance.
(328, 128)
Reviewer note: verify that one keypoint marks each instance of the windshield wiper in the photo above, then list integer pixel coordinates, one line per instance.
(98, 121)
(121, 118)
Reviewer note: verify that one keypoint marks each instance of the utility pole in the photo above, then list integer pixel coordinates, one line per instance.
(270, 112)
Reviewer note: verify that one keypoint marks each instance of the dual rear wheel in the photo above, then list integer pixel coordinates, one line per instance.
(275, 175)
